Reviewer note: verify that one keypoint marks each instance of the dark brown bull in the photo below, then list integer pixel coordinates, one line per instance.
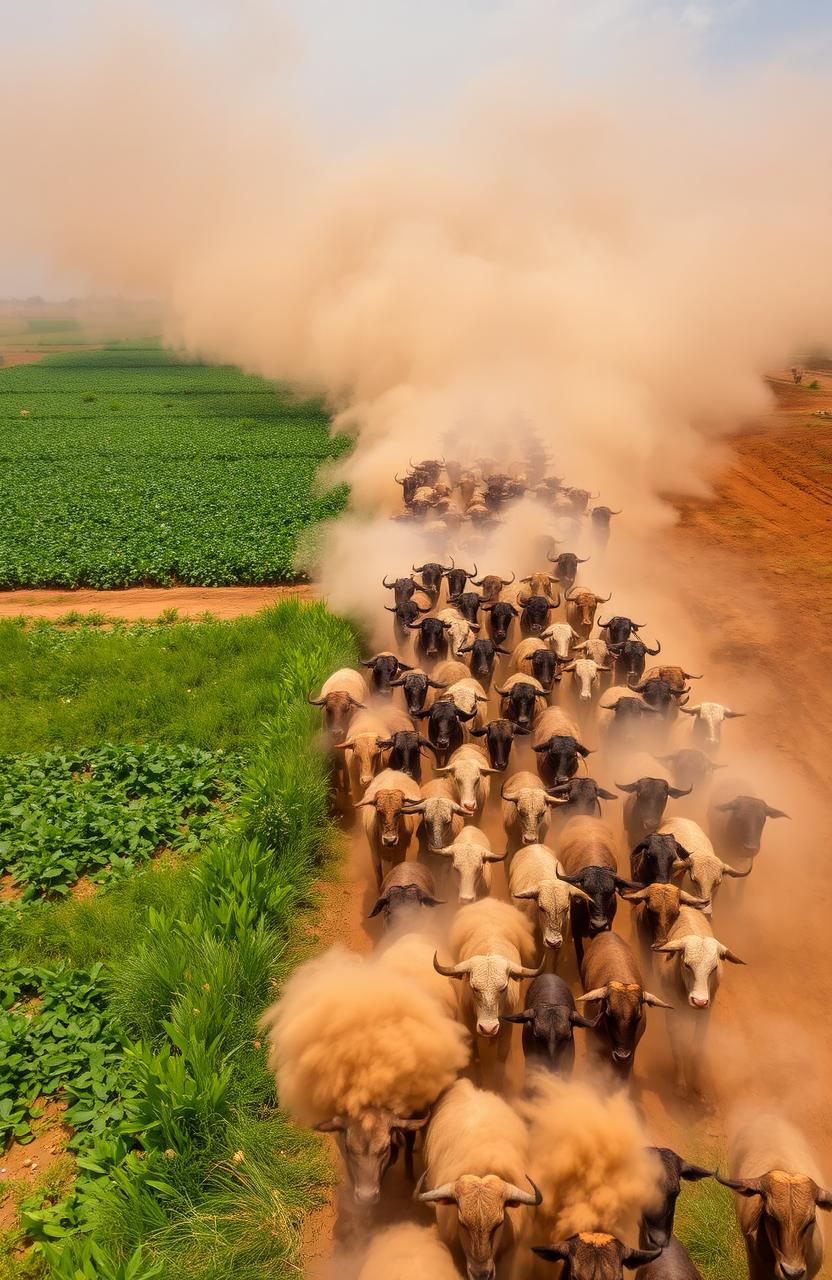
(631, 659)
(675, 1263)
(645, 805)
(405, 614)
(581, 607)
(501, 614)
(458, 578)
(431, 578)
(492, 584)
(499, 736)
(737, 825)
(689, 767)
(656, 1228)
(405, 889)
(548, 1020)
(415, 686)
(406, 748)
(612, 980)
(619, 628)
(534, 614)
(583, 797)
(483, 656)
(385, 667)
(566, 569)
(402, 588)
(594, 1255)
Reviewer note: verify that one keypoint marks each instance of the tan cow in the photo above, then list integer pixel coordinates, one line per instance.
(387, 826)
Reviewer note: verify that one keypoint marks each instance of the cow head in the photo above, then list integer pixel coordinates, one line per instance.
(389, 807)
(651, 796)
(501, 615)
(385, 668)
(339, 709)
(480, 1205)
(560, 756)
(622, 1004)
(369, 1144)
(488, 978)
(415, 687)
(787, 1207)
(499, 736)
(552, 898)
(468, 860)
(531, 809)
(746, 821)
(657, 1218)
(699, 965)
(658, 858)
(483, 656)
(599, 885)
(594, 1255)
(583, 796)
(661, 903)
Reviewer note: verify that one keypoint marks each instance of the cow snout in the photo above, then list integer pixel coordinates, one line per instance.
(488, 1027)
(481, 1273)
(622, 1055)
(468, 807)
(599, 924)
(388, 840)
(553, 940)
(792, 1273)
(532, 839)
(699, 1002)
(751, 848)
(367, 1195)
(465, 899)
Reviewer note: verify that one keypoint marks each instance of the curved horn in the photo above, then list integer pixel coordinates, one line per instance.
(522, 971)
(514, 1195)
(655, 651)
(446, 1194)
(316, 702)
(690, 676)
(648, 998)
(734, 873)
(690, 711)
(452, 971)
(508, 581)
(597, 993)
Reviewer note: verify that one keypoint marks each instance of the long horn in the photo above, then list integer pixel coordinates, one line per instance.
(648, 998)
(655, 651)
(495, 857)
(315, 702)
(690, 711)
(452, 971)
(575, 892)
(690, 676)
(640, 895)
(522, 971)
(439, 1194)
(414, 806)
(603, 599)
(597, 993)
(514, 1195)
(734, 715)
(728, 870)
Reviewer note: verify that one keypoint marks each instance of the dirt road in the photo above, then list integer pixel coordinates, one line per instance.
(149, 602)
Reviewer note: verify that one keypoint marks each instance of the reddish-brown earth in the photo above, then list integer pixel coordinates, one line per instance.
(148, 602)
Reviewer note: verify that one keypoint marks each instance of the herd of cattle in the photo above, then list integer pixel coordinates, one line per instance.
(465, 750)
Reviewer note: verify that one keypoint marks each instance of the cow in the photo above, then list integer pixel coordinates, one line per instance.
(468, 603)
(534, 614)
(540, 584)
(405, 749)
(693, 976)
(780, 1188)
(470, 773)
(619, 628)
(566, 569)
(555, 741)
(460, 630)
(534, 881)
(410, 484)
(705, 870)
(442, 817)
(488, 939)
(656, 1229)
(416, 686)
(533, 657)
(405, 890)
(597, 649)
(492, 584)
(657, 858)
(468, 696)
(526, 805)
(431, 638)
(402, 588)
(501, 615)
(386, 825)
(586, 850)
(599, 518)
(519, 697)
(583, 797)
(404, 614)
(385, 668)
(499, 736)
(737, 825)
(431, 578)
(689, 767)
(367, 734)
(622, 715)
(562, 638)
(370, 1143)
(631, 658)
(452, 670)
(659, 695)
(707, 724)
(445, 731)
(548, 1018)
(594, 1255)
(645, 805)
(470, 855)
(657, 908)
(344, 693)
(611, 976)
(676, 677)
(476, 1193)
(586, 680)
(483, 656)
(457, 579)
(581, 606)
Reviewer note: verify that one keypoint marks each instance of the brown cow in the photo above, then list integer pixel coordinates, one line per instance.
(341, 696)
(611, 976)
(581, 606)
(674, 676)
(387, 825)
(594, 1255)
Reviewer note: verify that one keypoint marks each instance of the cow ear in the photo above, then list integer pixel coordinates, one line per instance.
(526, 1016)
(605, 795)
(554, 1252)
(694, 1172)
(823, 1199)
(750, 1187)
(380, 905)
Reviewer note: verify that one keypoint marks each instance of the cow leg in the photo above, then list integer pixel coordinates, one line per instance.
(409, 1144)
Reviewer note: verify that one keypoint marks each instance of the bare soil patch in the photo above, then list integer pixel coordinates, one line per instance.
(149, 602)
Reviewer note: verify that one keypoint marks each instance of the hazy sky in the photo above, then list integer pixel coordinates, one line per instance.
(352, 68)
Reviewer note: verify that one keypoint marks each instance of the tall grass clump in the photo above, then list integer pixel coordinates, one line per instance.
(706, 1223)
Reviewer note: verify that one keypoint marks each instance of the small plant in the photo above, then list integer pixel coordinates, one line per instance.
(168, 617)
(115, 404)
(88, 397)
(814, 385)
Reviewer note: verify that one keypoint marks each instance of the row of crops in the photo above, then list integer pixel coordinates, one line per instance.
(163, 822)
(130, 466)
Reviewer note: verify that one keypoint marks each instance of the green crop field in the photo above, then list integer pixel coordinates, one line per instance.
(129, 466)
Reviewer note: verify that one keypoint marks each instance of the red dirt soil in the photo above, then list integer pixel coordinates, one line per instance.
(149, 602)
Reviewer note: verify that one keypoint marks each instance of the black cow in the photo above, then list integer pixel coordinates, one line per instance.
(415, 685)
(741, 828)
(483, 656)
(660, 695)
(534, 614)
(406, 612)
(405, 889)
(385, 668)
(657, 1222)
(499, 736)
(583, 797)
(445, 728)
(628, 715)
(654, 860)
(458, 578)
(548, 1021)
(645, 805)
(600, 520)
(501, 614)
(558, 758)
(591, 918)
(690, 766)
(431, 638)
(406, 747)
(631, 659)
(519, 702)
(409, 485)
(431, 577)
(619, 628)
(468, 604)
(567, 569)
(544, 665)
(402, 588)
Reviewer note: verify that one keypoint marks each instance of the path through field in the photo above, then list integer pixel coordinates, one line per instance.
(149, 602)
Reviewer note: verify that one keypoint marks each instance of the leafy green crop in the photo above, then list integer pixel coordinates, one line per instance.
(132, 467)
(102, 812)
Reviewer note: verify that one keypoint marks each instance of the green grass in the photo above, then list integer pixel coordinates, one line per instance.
(134, 466)
(185, 1165)
(706, 1223)
(208, 684)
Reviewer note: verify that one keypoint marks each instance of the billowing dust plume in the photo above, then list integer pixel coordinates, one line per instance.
(351, 1032)
(587, 1153)
(405, 1252)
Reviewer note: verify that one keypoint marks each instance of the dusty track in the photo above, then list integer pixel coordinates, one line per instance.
(149, 602)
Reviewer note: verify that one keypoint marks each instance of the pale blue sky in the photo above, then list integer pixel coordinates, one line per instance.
(352, 68)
